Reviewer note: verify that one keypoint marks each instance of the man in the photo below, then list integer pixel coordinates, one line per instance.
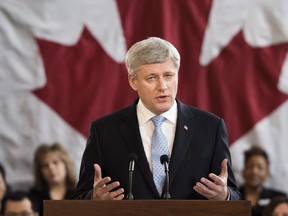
(197, 144)
(18, 203)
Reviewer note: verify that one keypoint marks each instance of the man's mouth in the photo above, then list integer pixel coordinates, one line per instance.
(162, 98)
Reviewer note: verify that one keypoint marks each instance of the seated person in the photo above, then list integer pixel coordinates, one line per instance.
(54, 175)
(4, 187)
(255, 173)
(277, 207)
(18, 203)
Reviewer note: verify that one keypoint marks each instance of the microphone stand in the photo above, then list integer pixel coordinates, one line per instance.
(167, 194)
(133, 159)
(130, 195)
(165, 160)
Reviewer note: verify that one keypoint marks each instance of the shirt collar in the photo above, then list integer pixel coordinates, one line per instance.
(144, 114)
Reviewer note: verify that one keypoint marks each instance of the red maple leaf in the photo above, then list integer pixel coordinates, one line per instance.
(240, 85)
(83, 82)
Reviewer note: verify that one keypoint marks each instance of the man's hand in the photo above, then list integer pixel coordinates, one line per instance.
(216, 188)
(101, 188)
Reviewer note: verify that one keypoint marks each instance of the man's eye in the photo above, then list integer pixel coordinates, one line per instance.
(151, 78)
(168, 76)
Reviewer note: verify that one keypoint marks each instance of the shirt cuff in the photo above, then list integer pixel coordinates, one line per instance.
(228, 196)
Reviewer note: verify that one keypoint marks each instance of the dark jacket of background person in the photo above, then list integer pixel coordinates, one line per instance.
(264, 199)
(38, 197)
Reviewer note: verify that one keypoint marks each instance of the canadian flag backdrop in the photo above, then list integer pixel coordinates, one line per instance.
(62, 66)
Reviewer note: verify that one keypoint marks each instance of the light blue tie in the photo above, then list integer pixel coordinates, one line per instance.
(159, 147)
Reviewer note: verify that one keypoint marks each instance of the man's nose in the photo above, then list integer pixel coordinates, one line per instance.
(162, 83)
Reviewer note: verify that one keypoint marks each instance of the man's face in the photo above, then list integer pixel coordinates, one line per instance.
(156, 85)
(19, 208)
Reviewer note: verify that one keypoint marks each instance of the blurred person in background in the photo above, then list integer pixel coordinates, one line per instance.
(18, 203)
(4, 187)
(277, 207)
(255, 174)
(54, 175)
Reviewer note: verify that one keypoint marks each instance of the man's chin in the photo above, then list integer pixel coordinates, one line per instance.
(162, 109)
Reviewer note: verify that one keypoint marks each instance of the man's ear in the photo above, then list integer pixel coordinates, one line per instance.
(132, 82)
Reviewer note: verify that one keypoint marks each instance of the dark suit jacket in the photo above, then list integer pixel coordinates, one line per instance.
(200, 145)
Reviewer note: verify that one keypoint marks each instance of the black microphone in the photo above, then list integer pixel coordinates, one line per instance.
(132, 160)
(165, 160)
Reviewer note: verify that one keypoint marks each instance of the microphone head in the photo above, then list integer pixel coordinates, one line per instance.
(164, 158)
(133, 156)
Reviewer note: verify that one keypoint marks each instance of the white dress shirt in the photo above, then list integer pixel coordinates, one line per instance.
(146, 127)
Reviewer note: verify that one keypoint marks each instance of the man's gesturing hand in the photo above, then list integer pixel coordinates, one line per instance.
(216, 188)
(102, 190)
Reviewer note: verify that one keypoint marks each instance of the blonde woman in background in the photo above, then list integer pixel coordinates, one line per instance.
(54, 175)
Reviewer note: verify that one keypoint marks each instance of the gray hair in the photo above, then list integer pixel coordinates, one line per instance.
(150, 51)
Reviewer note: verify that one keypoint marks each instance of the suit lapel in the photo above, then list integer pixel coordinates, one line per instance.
(183, 136)
(129, 129)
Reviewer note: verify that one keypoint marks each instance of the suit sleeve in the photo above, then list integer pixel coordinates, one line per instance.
(222, 147)
(91, 156)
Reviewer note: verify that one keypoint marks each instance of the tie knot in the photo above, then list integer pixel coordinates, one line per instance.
(158, 120)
